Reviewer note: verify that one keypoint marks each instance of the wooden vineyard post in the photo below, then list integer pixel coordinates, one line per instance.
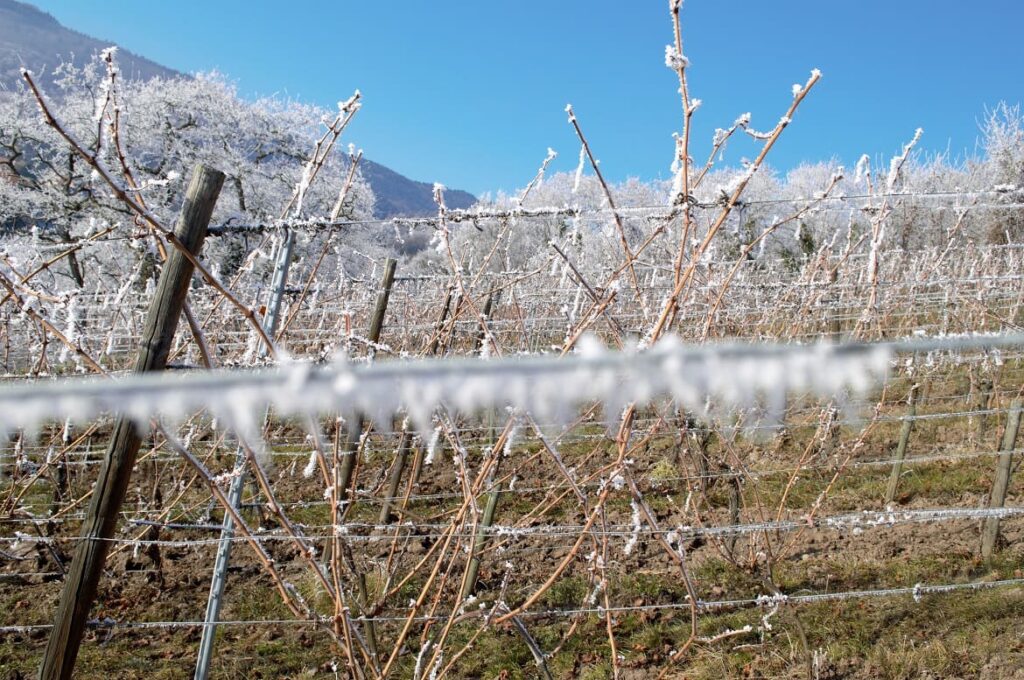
(377, 322)
(355, 429)
(735, 498)
(439, 326)
(481, 339)
(108, 495)
(990, 532)
(343, 476)
(473, 572)
(901, 447)
(835, 324)
(478, 543)
(395, 480)
(982, 388)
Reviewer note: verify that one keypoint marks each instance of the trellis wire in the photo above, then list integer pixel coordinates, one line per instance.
(917, 592)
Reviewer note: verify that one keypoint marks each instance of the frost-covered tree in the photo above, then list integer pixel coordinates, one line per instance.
(548, 214)
(927, 201)
(1003, 139)
(165, 128)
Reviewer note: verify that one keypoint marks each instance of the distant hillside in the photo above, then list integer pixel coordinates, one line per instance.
(399, 195)
(34, 39)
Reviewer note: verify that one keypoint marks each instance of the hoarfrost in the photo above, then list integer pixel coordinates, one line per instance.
(579, 170)
(634, 535)
(674, 60)
(547, 388)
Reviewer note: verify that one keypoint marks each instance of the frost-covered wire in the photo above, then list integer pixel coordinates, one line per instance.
(365, 532)
(547, 387)
(916, 592)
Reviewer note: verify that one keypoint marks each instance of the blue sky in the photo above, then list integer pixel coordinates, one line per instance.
(471, 93)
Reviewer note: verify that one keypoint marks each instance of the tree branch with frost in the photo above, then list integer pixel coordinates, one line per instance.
(44, 266)
(298, 608)
(951, 241)
(675, 60)
(671, 305)
(346, 111)
(537, 179)
(443, 546)
(488, 467)
(879, 219)
(29, 309)
(853, 449)
(141, 211)
(113, 120)
(595, 298)
(443, 234)
(749, 248)
(302, 546)
(620, 228)
(602, 569)
(718, 142)
(677, 554)
(353, 164)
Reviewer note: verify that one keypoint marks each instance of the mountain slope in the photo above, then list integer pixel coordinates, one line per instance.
(32, 38)
(399, 195)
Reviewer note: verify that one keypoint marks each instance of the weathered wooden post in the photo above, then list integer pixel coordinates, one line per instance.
(478, 543)
(343, 475)
(835, 324)
(901, 447)
(108, 494)
(355, 429)
(473, 571)
(1002, 481)
(735, 498)
(439, 325)
(982, 388)
(481, 338)
(395, 480)
(377, 322)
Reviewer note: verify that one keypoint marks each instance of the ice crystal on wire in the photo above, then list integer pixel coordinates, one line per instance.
(546, 388)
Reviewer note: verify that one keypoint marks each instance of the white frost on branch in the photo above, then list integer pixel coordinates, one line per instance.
(70, 328)
(678, 164)
(435, 438)
(106, 86)
(579, 170)
(863, 169)
(310, 468)
(303, 186)
(674, 60)
(351, 104)
(897, 161)
(634, 534)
